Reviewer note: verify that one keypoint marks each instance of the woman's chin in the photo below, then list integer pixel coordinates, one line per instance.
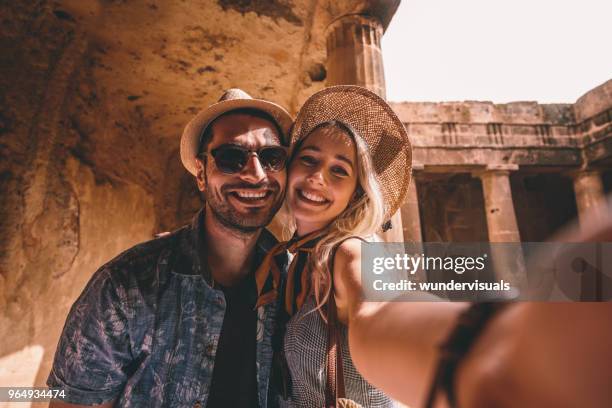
(310, 216)
(307, 223)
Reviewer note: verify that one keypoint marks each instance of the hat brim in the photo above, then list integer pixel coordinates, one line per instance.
(190, 140)
(376, 123)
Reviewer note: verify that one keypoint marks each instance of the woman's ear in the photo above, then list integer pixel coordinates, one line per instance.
(201, 173)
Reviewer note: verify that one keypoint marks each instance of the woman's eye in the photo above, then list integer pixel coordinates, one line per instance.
(308, 160)
(339, 171)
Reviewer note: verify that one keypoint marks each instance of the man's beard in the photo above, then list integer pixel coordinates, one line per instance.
(242, 222)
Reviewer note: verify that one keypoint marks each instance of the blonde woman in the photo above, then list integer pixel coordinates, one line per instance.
(349, 171)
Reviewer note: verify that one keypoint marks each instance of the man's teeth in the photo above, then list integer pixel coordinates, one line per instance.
(313, 197)
(245, 194)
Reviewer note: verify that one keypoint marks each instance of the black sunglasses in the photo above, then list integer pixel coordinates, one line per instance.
(231, 158)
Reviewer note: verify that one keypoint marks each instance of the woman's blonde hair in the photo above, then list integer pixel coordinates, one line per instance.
(362, 217)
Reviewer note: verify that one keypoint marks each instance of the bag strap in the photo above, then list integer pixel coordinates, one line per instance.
(334, 387)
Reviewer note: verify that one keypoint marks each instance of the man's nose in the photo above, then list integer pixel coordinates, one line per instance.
(253, 172)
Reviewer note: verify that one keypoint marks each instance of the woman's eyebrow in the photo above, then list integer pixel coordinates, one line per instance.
(345, 159)
(338, 156)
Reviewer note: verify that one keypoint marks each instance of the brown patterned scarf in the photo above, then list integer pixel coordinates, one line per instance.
(301, 248)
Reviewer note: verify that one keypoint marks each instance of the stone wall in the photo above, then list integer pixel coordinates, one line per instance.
(594, 102)
(475, 133)
(547, 150)
(544, 203)
(451, 208)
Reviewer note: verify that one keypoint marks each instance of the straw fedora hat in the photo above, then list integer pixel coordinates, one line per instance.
(375, 122)
(231, 99)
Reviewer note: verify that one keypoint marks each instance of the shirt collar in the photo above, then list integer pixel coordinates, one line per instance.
(193, 248)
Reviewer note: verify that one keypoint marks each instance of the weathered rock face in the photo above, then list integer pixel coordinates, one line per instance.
(65, 211)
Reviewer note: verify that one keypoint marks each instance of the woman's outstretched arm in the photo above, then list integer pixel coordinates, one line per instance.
(393, 344)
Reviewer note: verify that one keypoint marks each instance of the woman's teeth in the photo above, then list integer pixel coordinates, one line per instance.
(313, 197)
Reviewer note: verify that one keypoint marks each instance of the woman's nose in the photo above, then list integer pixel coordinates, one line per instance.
(316, 177)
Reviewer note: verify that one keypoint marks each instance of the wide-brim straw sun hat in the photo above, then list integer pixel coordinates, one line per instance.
(375, 122)
(231, 99)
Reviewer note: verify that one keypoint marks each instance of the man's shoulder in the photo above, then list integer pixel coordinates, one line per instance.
(109, 321)
(145, 256)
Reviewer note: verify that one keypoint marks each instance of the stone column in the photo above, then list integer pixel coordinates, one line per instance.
(411, 217)
(590, 197)
(499, 208)
(354, 57)
(508, 260)
(411, 223)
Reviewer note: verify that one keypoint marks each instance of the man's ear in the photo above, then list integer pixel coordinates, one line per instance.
(201, 173)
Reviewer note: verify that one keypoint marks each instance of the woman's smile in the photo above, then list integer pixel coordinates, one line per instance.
(311, 197)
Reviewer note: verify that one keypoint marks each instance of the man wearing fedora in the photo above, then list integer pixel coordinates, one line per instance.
(176, 322)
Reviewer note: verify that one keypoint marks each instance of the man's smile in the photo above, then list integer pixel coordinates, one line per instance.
(251, 197)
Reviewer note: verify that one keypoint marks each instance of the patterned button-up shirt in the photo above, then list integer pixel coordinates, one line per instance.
(145, 330)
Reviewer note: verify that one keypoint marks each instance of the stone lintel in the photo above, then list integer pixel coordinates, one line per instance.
(450, 169)
(502, 167)
(494, 169)
(582, 172)
(417, 166)
(476, 157)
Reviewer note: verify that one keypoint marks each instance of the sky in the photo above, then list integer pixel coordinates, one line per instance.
(550, 51)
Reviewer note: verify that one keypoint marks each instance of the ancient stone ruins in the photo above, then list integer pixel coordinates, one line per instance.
(95, 94)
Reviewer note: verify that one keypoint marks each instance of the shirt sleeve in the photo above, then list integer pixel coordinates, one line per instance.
(94, 352)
